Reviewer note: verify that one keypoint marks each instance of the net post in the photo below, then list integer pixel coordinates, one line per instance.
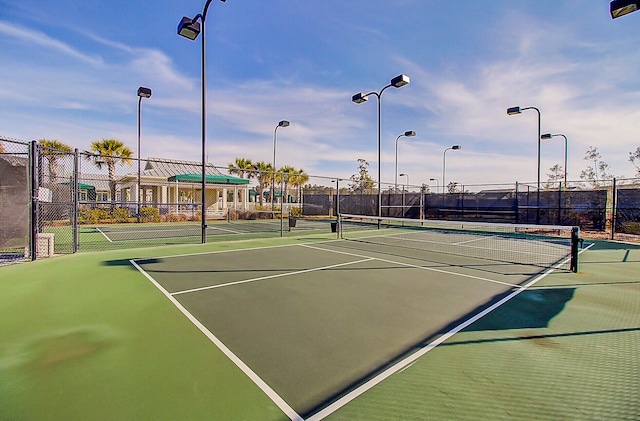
(575, 244)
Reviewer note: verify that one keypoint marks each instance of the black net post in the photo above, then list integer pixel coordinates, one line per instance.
(576, 241)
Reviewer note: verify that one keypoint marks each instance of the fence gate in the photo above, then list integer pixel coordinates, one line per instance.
(55, 211)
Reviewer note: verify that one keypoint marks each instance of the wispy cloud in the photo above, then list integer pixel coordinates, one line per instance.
(31, 36)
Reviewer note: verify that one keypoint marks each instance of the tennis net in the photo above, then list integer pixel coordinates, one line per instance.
(539, 245)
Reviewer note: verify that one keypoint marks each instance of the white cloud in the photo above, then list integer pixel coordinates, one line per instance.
(31, 36)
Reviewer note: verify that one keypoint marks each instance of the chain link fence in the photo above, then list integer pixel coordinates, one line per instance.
(55, 201)
(15, 206)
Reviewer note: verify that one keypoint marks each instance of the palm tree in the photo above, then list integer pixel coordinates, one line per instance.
(264, 176)
(284, 176)
(110, 152)
(53, 150)
(297, 180)
(241, 167)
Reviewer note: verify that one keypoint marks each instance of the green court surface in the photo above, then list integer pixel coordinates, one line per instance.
(309, 327)
(131, 235)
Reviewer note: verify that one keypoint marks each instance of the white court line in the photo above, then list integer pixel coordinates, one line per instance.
(105, 235)
(404, 364)
(473, 240)
(226, 230)
(142, 259)
(293, 415)
(279, 275)
(479, 278)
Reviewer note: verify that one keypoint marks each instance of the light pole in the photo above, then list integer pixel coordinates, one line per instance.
(548, 136)
(282, 123)
(409, 133)
(437, 183)
(142, 93)
(190, 28)
(622, 7)
(403, 190)
(444, 165)
(359, 98)
(518, 110)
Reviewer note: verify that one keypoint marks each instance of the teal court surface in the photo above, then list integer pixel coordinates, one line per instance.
(317, 325)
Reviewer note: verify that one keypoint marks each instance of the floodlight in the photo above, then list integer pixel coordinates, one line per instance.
(513, 110)
(144, 92)
(400, 80)
(623, 7)
(359, 98)
(189, 28)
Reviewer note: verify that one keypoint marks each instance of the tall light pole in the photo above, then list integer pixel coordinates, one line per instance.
(548, 136)
(190, 28)
(142, 93)
(444, 165)
(623, 7)
(282, 123)
(409, 133)
(359, 98)
(518, 110)
(406, 175)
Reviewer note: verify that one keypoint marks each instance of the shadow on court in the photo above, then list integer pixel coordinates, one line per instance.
(530, 309)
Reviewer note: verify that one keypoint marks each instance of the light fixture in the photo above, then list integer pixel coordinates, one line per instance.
(144, 92)
(400, 80)
(189, 28)
(513, 110)
(623, 7)
(359, 98)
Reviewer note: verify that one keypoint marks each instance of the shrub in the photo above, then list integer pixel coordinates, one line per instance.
(120, 214)
(149, 215)
(93, 216)
(175, 217)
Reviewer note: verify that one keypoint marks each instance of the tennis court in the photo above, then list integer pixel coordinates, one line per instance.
(108, 236)
(317, 325)
(313, 327)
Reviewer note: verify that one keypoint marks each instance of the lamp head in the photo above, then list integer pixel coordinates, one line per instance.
(189, 28)
(456, 147)
(283, 123)
(359, 98)
(144, 92)
(623, 7)
(546, 136)
(410, 133)
(513, 110)
(400, 80)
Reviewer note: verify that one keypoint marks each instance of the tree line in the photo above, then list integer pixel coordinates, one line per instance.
(265, 176)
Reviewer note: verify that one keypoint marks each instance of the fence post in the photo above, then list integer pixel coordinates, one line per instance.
(613, 209)
(516, 205)
(33, 158)
(74, 190)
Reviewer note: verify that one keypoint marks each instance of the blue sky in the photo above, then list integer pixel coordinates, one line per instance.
(70, 71)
